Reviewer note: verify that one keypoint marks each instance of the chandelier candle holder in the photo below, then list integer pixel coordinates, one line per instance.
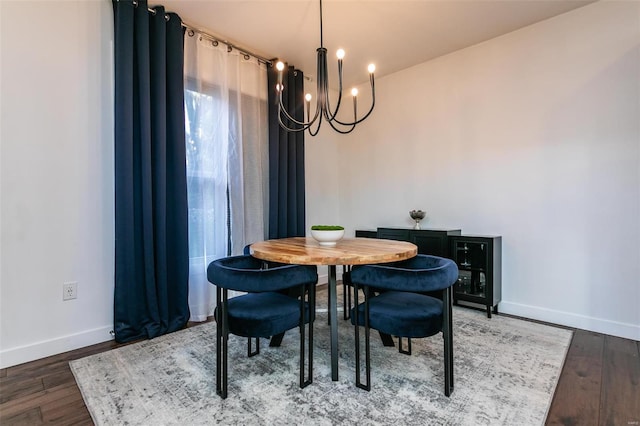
(323, 107)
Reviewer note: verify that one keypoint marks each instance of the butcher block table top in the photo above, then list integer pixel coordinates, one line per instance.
(347, 251)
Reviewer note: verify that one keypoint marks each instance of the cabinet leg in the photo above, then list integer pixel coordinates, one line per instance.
(488, 311)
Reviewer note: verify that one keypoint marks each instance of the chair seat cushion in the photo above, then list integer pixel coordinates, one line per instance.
(264, 314)
(403, 314)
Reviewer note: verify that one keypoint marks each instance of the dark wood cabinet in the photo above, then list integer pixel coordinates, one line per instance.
(366, 234)
(479, 260)
(429, 241)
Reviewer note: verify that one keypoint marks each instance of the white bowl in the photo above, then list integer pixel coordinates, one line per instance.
(327, 238)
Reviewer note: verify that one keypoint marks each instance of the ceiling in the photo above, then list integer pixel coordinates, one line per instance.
(393, 34)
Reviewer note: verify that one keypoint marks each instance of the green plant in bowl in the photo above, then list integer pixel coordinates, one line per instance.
(327, 235)
(327, 228)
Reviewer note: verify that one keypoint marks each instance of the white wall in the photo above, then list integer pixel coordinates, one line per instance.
(56, 176)
(322, 184)
(534, 136)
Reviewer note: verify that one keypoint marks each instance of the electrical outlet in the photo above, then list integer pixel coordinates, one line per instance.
(70, 290)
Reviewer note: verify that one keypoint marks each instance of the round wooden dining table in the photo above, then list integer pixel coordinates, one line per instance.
(347, 251)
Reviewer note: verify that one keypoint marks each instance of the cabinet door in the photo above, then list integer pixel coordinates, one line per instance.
(393, 234)
(472, 259)
(433, 243)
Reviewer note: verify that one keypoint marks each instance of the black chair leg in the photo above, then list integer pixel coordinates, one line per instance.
(387, 340)
(447, 331)
(400, 348)
(448, 367)
(222, 340)
(310, 314)
(276, 340)
(257, 351)
(312, 318)
(366, 386)
(450, 291)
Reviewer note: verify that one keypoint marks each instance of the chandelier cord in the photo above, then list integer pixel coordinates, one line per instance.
(321, 40)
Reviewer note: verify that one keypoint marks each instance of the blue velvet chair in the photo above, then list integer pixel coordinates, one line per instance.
(276, 340)
(263, 311)
(401, 309)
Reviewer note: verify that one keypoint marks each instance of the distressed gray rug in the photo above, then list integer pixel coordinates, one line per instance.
(506, 371)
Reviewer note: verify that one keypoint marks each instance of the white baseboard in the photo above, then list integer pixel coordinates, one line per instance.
(568, 319)
(31, 352)
(21, 354)
(45, 348)
(598, 325)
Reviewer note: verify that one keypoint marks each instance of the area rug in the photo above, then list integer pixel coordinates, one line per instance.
(506, 372)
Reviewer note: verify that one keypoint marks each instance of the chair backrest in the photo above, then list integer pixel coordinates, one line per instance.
(245, 273)
(419, 274)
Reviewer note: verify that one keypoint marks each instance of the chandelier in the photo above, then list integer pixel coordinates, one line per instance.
(323, 108)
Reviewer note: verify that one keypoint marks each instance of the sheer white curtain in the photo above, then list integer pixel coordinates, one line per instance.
(227, 158)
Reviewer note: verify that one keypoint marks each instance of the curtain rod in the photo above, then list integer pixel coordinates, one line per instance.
(230, 46)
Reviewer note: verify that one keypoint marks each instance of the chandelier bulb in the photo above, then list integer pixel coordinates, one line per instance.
(354, 92)
(280, 66)
(307, 97)
(371, 68)
(340, 54)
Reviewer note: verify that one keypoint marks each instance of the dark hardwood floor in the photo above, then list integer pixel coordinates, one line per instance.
(600, 382)
(599, 385)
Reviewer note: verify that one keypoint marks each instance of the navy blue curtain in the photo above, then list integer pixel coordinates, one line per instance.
(286, 158)
(151, 246)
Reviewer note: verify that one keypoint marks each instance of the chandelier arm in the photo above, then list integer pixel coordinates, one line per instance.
(337, 129)
(283, 110)
(306, 126)
(313, 133)
(298, 126)
(330, 116)
(292, 129)
(373, 104)
(323, 84)
(315, 115)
